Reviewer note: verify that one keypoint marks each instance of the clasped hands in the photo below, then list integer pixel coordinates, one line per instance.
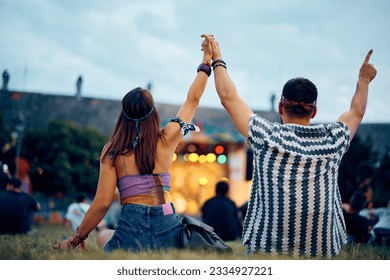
(210, 48)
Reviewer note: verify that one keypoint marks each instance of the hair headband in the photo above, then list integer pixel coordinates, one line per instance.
(291, 103)
(137, 124)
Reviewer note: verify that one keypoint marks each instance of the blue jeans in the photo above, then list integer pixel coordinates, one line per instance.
(143, 227)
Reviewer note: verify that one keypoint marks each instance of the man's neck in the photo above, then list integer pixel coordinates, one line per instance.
(299, 121)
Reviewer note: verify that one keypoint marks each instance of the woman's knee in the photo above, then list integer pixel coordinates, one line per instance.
(103, 237)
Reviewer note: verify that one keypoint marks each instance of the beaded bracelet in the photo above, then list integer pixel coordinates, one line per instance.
(204, 68)
(218, 60)
(219, 64)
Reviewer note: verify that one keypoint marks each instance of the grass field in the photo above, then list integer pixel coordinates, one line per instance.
(38, 246)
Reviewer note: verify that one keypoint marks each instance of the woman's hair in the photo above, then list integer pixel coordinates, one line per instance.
(136, 131)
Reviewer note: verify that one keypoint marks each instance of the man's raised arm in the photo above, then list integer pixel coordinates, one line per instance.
(238, 110)
(354, 116)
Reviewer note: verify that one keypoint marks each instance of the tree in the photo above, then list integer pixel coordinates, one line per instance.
(5, 140)
(381, 182)
(5, 137)
(356, 166)
(64, 157)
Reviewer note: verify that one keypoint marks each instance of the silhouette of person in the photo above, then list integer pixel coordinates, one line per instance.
(272, 99)
(5, 80)
(79, 83)
(221, 213)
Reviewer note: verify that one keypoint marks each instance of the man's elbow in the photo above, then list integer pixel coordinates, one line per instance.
(359, 112)
(225, 101)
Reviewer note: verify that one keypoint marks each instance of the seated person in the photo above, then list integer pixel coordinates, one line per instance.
(381, 230)
(16, 209)
(221, 213)
(358, 227)
(76, 211)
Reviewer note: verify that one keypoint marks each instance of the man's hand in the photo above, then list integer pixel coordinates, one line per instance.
(355, 114)
(367, 71)
(216, 49)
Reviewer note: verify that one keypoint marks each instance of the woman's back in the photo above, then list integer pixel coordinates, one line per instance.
(126, 164)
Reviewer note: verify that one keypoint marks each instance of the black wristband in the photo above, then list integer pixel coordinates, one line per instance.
(204, 68)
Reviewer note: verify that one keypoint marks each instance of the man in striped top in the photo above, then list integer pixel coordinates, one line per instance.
(295, 204)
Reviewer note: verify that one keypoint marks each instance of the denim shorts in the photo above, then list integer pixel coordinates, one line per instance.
(142, 228)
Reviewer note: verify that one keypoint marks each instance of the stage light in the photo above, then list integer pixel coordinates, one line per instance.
(191, 148)
(203, 181)
(174, 158)
(211, 157)
(202, 159)
(219, 149)
(193, 157)
(222, 159)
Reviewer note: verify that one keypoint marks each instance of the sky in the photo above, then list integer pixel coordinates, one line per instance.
(119, 45)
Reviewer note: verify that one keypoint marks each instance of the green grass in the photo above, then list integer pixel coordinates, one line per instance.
(39, 246)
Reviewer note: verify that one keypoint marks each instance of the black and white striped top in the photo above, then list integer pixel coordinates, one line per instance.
(295, 205)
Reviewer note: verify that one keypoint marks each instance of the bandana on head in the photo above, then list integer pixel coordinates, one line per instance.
(137, 124)
(290, 103)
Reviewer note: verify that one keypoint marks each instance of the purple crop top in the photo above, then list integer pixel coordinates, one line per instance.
(137, 184)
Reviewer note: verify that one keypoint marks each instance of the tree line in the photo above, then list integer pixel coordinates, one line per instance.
(64, 157)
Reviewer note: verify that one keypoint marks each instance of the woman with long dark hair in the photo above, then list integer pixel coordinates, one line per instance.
(137, 161)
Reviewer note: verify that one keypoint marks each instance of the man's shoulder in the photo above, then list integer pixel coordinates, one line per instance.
(256, 119)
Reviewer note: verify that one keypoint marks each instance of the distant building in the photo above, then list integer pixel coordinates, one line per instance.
(39, 109)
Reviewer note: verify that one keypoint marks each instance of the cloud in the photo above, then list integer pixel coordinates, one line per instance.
(118, 45)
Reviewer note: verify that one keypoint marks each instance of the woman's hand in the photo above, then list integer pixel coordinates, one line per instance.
(206, 48)
(74, 242)
(62, 244)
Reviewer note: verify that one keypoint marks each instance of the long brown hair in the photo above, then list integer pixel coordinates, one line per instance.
(136, 105)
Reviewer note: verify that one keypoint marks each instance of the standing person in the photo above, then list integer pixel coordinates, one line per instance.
(17, 209)
(137, 159)
(295, 205)
(221, 213)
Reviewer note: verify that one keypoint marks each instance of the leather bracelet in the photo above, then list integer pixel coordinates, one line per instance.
(82, 238)
(204, 68)
(73, 244)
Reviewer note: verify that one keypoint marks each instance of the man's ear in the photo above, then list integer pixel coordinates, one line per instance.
(280, 108)
(314, 112)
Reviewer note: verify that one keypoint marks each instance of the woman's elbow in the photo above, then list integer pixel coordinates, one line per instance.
(102, 204)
